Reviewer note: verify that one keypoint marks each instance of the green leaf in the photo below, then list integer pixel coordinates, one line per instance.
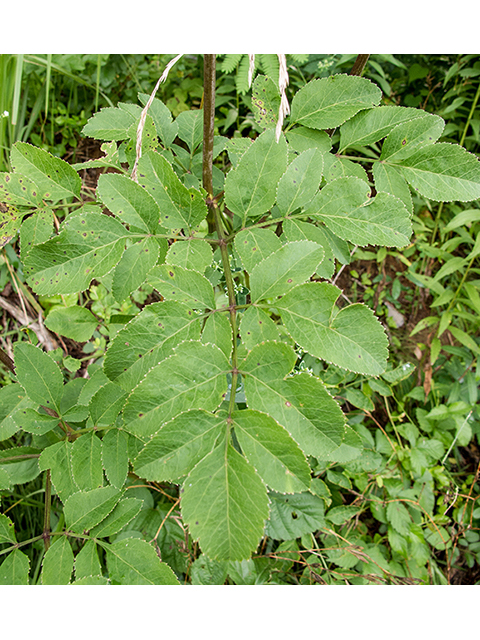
(133, 562)
(147, 339)
(371, 126)
(36, 229)
(7, 531)
(179, 446)
(57, 458)
(409, 137)
(76, 323)
(88, 246)
(339, 515)
(20, 470)
(54, 177)
(181, 208)
(183, 285)
(205, 571)
(292, 264)
(389, 178)
(295, 230)
(300, 182)
(190, 127)
(256, 326)
(327, 102)
(132, 269)
(87, 462)
(303, 138)
(352, 338)
(225, 504)
(270, 449)
(346, 209)
(14, 569)
(193, 378)
(39, 375)
(106, 404)
(115, 456)
(292, 516)
(254, 245)
(86, 561)
(16, 189)
(190, 254)
(218, 331)
(10, 222)
(122, 514)
(12, 398)
(443, 172)
(85, 509)
(128, 201)
(57, 563)
(265, 102)
(335, 167)
(301, 404)
(167, 129)
(110, 123)
(399, 518)
(250, 188)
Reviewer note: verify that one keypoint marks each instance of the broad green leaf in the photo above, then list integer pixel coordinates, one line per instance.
(254, 245)
(190, 254)
(300, 182)
(399, 518)
(87, 462)
(218, 331)
(74, 322)
(132, 269)
(303, 138)
(167, 129)
(301, 404)
(85, 509)
(32, 421)
(20, 463)
(88, 246)
(91, 581)
(12, 398)
(190, 127)
(371, 126)
(225, 504)
(193, 378)
(328, 102)
(353, 338)
(57, 458)
(36, 229)
(409, 137)
(179, 446)
(205, 571)
(128, 201)
(14, 569)
(115, 457)
(443, 172)
(5, 480)
(54, 177)
(10, 222)
(292, 264)
(16, 189)
(110, 123)
(180, 208)
(350, 449)
(106, 404)
(292, 516)
(39, 375)
(147, 339)
(335, 167)
(183, 285)
(250, 188)
(339, 515)
(265, 102)
(86, 561)
(389, 178)
(133, 562)
(57, 563)
(122, 514)
(7, 530)
(270, 449)
(295, 230)
(256, 326)
(346, 209)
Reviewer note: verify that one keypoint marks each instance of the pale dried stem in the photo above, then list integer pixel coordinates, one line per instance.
(25, 320)
(143, 115)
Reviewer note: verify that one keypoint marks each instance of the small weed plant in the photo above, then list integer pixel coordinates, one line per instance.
(207, 378)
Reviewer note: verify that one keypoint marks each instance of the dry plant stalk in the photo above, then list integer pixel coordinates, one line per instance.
(143, 115)
(282, 83)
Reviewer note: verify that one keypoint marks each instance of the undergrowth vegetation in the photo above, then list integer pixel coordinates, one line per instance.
(240, 330)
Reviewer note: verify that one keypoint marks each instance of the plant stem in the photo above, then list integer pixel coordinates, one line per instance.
(470, 115)
(46, 520)
(214, 218)
(359, 64)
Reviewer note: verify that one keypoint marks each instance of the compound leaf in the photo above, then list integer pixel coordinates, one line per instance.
(409, 137)
(254, 245)
(133, 267)
(190, 254)
(39, 375)
(14, 569)
(85, 509)
(87, 461)
(300, 182)
(183, 285)
(57, 564)
(134, 562)
(122, 514)
(115, 456)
